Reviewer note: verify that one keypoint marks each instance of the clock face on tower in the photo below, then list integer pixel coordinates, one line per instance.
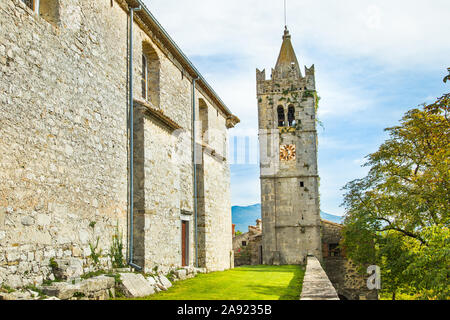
(287, 152)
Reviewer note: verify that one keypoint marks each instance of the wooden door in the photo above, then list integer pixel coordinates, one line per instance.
(184, 243)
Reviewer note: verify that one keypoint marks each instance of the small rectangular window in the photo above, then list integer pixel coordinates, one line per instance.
(302, 184)
(244, 243)
(333, 250)
(49, 10)
(30, 4)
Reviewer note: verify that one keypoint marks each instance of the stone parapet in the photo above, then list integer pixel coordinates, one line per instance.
(316, 285)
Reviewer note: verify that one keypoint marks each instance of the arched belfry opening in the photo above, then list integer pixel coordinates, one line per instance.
(281, 116)
(291, 116)
(150, 74)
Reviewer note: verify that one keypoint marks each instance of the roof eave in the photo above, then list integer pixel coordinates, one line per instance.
(174, 49)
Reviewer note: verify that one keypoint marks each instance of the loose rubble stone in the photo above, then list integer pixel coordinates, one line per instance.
(161, 287)
(164, 281)
(68, 268)
(135, 285)
(181, 274)
(151, 281)
(97, 288)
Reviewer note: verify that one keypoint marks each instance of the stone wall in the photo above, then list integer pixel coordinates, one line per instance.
(215, 245)
(316, 285)
(342, 272)
(64, 145)
(63, 135)
(251, 252)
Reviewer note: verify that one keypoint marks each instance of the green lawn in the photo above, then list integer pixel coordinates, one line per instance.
(241, 283)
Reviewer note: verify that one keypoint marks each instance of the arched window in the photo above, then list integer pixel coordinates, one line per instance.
(281, 117)
(144, 80)
(291, 116)
(203, 117)
(150, 74)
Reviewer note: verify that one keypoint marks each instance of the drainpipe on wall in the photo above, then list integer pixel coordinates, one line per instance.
(131, 126)
(194, 166)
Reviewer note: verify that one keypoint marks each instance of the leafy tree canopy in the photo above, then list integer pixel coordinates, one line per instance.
(398, 215)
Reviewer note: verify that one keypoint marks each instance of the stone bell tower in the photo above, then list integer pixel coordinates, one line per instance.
(288, 160)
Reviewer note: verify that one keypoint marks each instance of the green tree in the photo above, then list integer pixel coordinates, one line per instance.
(447, 77)
(398, 215)
(434, 260)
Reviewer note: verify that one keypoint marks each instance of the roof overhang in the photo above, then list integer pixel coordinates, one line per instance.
(167, 44)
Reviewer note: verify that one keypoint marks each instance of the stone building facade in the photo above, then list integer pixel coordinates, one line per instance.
(64, 143)
(342, 272)
(247, 246)
(288, 154)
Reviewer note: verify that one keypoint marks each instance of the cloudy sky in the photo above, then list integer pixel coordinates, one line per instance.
(374, 60)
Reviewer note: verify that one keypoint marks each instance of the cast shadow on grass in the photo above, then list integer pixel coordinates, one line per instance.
(294, 289)
(291, 292)
(263, 268)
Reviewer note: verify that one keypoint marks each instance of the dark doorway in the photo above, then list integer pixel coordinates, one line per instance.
(260, 255)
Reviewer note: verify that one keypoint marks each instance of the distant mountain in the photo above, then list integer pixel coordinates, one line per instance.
(331, 217)
(243, 217)
(246, 216)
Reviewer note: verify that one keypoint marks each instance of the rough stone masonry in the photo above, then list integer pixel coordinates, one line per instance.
(64, 143)
(288, 154)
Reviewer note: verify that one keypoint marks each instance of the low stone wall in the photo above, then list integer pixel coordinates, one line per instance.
(316, 285)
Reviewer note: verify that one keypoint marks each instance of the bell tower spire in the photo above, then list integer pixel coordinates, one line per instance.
(287, 62)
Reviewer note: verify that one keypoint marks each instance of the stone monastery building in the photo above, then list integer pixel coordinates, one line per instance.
(65, 141)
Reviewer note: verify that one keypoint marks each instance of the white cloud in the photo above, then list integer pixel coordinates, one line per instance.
(401, 32)
(362, 50)
(372, 18)
(393, 34)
